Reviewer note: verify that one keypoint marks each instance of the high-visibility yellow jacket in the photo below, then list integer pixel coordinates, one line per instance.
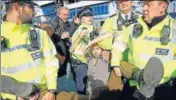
(148, 45)
(118, 42)
(78, 53)
(39, 67)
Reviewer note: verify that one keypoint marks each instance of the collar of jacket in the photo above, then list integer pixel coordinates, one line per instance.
(155, 21)
(133, 19)
(14, 27)
(132, 16)
(86, 25)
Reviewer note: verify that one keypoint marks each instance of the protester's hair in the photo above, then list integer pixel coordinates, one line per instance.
(60, 9)
(94, 45)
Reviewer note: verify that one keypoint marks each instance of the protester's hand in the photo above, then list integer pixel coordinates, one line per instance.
(65, 35)
(49, 96)
(117, 71)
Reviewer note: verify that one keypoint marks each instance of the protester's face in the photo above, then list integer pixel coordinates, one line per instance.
(125, 5)
(64, 13)
(87, 20)
(153, 9)
(27, 13)
(96, 51)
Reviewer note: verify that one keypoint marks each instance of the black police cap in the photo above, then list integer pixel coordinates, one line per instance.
(86, 11)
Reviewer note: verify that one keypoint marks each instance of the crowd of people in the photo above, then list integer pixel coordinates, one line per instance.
(132, 57)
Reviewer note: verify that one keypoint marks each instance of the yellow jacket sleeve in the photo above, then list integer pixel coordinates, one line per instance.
(116, 56)
(8, 96)
(169, 70)
(75, 37)
(51, 62)
(106, 28)
(170, 66)
(175, 50)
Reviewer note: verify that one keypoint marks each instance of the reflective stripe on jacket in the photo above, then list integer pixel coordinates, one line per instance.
(118, 42)
(148, 45)
(78, 53)
(38, 67)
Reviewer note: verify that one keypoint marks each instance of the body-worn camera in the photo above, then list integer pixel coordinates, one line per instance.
(3, 43)
(120, 25)
(137, 31)
(165, 34)
(34, 38)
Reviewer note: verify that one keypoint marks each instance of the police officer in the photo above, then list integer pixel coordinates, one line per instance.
(117, 27)
(80, 39)
(152, 46)
(36, 63)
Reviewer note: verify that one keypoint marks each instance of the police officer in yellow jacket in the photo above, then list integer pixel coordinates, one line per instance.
(117, 28)
(152, 46)
(37, 63)
(80, 39)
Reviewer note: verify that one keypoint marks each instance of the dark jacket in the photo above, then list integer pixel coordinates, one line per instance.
(74, 26)
(62, 45)
(60, 26)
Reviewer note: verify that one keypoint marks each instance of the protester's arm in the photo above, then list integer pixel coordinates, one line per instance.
(106, 31)
(104, 34)
(99, 38)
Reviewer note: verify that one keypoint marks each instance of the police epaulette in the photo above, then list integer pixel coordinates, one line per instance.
(112, 16)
